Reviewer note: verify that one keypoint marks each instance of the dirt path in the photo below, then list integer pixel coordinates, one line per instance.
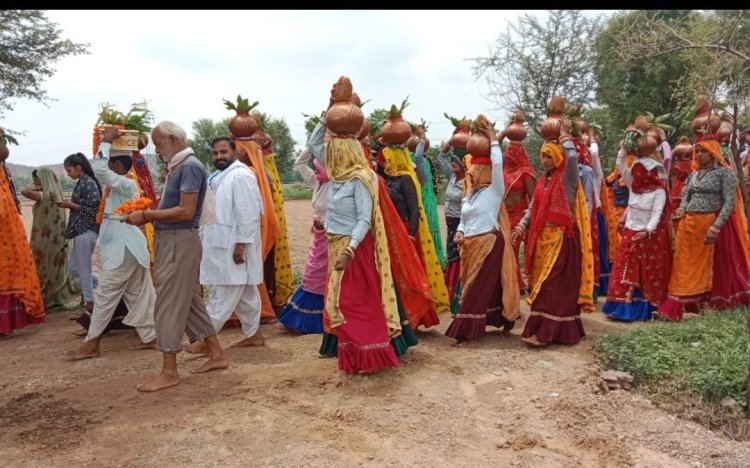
(496, 404)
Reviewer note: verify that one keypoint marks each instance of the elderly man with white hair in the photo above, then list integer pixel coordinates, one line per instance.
(177, 257)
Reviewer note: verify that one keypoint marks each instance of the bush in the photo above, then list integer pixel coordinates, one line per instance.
(296, 191)
(706, 356)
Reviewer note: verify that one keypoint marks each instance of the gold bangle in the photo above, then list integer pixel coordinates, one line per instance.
(349, 251)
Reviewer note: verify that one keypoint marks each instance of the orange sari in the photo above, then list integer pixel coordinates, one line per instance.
(19, 283)
(270, 230)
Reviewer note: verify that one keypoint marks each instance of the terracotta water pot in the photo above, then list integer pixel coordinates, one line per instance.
(461, 134)
(704, 118)
(344, 117)
(515, 130)
(479, 142)
(364, 130)
(243, 125)
(550, 128)
(413, 141)
(658, 133)
(396, 130)
(683, 149)
(646, 145)
(725, 131)
(142, 141)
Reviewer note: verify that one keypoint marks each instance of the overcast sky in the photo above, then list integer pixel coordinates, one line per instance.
(185, 62)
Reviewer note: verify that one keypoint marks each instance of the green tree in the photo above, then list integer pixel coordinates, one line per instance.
(29, 46)
(532, 61)
(630, 88)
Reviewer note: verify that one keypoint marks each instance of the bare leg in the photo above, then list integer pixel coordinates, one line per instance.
(88, 350)
(217, 358)
(167, 378)
(255, 340)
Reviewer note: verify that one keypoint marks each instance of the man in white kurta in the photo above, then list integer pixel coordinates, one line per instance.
(124, 256)
(232, 261)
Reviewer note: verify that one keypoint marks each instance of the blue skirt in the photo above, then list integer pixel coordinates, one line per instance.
(637, 309)
(304, 312)
(604, 264)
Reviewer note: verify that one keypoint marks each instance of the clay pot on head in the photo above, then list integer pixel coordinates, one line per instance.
(550, 128)
(646, 145)
(461, 134)
(142, 141)
(364, 130)
(396, 130)
(704, 118)
(413, 141)
(262, 138)
(479, 142)
(683, 149)
(515, 130)
(344, 117)
(243, 125)
(658, 133)
(725, 131)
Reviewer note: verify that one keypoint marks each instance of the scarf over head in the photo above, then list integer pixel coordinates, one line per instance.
(551, 202)
(516, 164)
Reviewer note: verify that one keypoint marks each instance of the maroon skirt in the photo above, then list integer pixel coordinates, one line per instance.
(555, 313)
(482, 300)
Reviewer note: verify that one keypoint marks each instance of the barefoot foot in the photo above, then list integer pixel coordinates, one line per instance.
(81, 333)
(255, 340)
(199, 347)
(533, 341)
(87, 350)
(150, 345)
(212, 364)
(160, 382)
(268, 320)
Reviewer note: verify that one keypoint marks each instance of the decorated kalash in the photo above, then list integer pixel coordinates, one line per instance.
(243, 128)
(134, 128)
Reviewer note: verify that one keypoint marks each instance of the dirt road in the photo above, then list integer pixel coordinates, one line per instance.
(496, 404)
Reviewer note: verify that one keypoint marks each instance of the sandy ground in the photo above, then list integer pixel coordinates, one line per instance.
(496, 404)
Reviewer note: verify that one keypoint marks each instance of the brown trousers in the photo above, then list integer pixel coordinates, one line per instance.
(179, 306)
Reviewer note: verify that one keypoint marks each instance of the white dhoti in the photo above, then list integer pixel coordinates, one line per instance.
(242, 299)
(132, 283)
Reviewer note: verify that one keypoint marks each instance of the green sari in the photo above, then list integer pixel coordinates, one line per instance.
(49, 246)
(430, 210)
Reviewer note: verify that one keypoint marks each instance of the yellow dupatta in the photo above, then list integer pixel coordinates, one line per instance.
(346, 161)
(398, 163)
(282, 258)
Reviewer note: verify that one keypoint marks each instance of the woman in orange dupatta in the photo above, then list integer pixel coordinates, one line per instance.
(559, 255)
(710, 265)
(21, 301)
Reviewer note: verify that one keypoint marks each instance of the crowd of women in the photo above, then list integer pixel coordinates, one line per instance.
(664, 233)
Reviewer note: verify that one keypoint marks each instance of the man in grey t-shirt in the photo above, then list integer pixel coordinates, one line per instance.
(179, 306)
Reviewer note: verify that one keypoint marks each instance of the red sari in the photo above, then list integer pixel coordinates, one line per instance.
(644, 264)
(516, 170)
